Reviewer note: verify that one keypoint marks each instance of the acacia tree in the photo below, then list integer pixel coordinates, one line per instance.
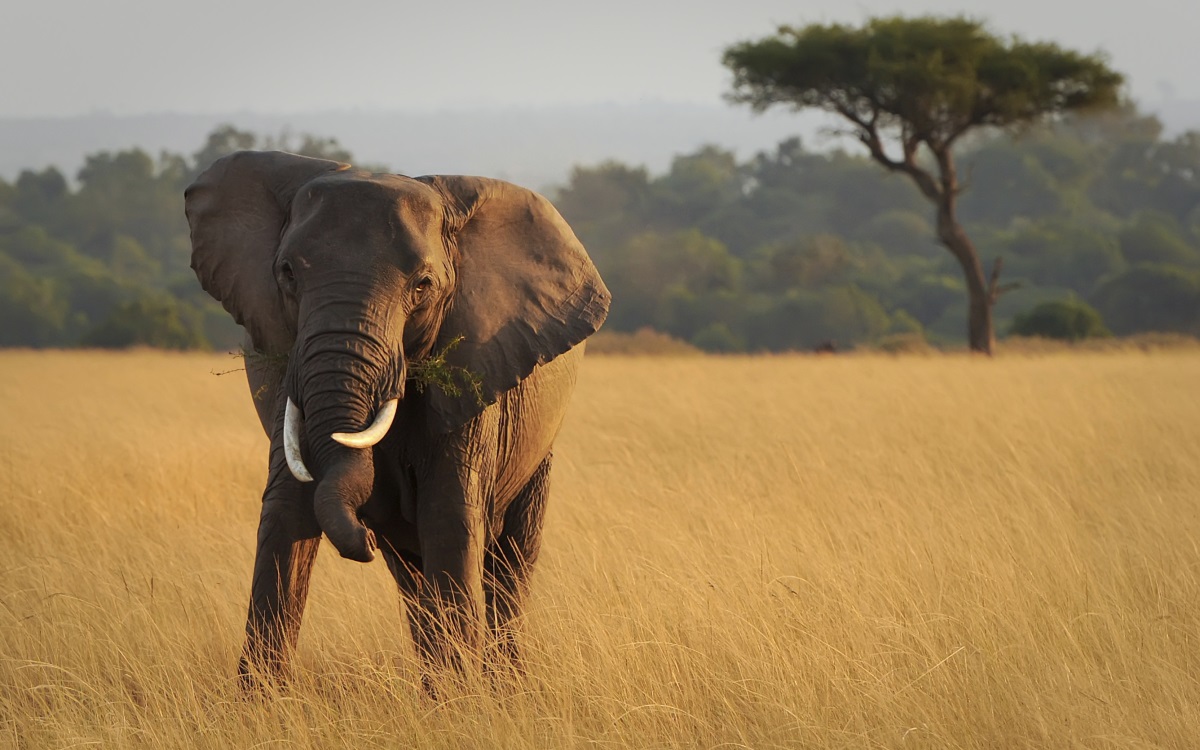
(908, 83)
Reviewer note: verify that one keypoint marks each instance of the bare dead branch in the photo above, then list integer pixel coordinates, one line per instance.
(994, 289)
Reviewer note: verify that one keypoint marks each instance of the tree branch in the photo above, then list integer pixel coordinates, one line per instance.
(995, 288)
(868, 134)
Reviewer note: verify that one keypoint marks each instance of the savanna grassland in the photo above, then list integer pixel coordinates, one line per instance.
(851, 552)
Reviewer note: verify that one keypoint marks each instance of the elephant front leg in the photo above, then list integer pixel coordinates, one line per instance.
(288, 539)
(448, 614)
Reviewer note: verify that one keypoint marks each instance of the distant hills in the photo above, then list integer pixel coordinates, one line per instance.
(534, 147)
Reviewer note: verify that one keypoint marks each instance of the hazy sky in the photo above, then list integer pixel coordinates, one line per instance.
(63, 57)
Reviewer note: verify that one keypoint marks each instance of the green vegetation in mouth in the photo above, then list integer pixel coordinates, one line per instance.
(450, 379)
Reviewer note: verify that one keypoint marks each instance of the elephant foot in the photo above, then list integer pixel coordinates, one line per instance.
(251, 682)
(258, 678)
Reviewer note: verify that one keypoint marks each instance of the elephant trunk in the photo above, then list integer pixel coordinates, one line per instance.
(342, 491)
(348, 388)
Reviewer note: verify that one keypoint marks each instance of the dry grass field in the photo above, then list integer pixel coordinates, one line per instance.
(842, 552)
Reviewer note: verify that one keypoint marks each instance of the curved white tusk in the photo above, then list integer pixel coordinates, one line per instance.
(291, 442)
(374, 433)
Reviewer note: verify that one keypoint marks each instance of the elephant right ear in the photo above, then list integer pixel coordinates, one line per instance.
(237, 209)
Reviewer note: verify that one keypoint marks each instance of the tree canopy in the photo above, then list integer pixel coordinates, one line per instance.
(931, 78)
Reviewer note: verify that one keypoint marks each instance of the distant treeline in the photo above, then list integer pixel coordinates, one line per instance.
(105, 262)
(787, 250)
(794, 249)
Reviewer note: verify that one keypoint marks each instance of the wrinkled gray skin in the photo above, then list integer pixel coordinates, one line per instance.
(341, 280)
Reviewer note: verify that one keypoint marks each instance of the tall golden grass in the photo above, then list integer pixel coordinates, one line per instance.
(859, 552)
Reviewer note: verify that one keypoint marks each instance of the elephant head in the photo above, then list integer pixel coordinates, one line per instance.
(353, 275)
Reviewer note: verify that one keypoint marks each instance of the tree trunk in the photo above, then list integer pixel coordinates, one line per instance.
(981, 336)
(943, 192)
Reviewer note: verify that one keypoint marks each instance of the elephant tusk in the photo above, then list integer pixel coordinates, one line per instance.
(292, 422)
(374, 433)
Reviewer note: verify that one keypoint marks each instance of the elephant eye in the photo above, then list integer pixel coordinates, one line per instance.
(423, 285)
(285, 270)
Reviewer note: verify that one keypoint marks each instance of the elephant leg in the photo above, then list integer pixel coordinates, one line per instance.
(406, 567)
(288, 539)
(449, 606)
(451, 525)
(510, 562)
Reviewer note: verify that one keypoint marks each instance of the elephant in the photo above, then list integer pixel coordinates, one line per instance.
(347, 284)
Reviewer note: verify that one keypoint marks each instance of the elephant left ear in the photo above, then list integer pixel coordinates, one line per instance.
(526, 289)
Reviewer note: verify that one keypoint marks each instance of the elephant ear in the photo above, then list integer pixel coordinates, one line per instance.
(526, 290)
(237, 209)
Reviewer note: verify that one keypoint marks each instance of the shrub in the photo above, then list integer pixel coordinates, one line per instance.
(1066, 320)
